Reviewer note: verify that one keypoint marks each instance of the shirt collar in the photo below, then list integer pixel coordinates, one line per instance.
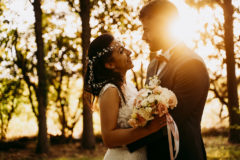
(168, 53)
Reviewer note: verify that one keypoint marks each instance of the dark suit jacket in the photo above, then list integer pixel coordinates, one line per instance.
(186, 75)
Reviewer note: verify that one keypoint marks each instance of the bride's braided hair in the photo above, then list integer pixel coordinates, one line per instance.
(97, 75)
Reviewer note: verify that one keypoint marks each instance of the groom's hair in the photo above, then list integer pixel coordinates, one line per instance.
(155, 7)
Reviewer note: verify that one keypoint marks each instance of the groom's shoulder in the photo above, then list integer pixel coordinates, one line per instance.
(192, 63)
(188, 55)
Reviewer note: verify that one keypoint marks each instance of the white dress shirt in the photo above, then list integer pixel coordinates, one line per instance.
(167, 54)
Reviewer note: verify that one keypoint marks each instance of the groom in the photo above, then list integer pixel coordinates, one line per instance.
(182, 71)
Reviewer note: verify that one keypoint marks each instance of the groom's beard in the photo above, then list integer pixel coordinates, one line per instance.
(152, 46)
(156, 44)
(155, 47)
(160, 45)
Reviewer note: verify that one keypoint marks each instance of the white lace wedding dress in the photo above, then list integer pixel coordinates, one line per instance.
(124, 115)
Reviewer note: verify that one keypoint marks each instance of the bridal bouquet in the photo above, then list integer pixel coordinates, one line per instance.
(151, 101)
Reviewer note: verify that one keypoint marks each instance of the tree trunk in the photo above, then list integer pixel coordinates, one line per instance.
(233, 107)
(88, 139)
(42, 144)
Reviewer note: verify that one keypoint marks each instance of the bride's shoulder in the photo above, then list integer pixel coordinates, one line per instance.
(108, 94)
(108, 87)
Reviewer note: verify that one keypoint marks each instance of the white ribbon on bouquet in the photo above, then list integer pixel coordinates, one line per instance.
(172, 129)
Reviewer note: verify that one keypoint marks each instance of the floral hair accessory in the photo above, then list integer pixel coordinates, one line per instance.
(94, 59)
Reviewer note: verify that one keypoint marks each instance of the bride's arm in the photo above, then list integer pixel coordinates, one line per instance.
(113, 136)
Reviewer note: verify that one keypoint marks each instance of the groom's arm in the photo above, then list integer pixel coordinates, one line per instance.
(190, 86)
(191, 83)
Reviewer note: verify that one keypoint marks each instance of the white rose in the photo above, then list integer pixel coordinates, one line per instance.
(144, 102)
(158, 97)
(144, 92)
(164, 100)
(149, 109)
(151, 98)
(146, 115)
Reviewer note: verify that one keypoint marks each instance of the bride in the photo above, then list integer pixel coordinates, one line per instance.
(108, 62)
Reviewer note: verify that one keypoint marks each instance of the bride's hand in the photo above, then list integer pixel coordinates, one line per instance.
(157, 123)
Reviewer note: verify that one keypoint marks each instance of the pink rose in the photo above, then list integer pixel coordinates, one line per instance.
(138, 102)
(162, 109)
(133, 123)
(135, 102)
(157, 90)
(141, 121)
(172, 102)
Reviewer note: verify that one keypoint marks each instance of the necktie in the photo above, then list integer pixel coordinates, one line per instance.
(164, 57)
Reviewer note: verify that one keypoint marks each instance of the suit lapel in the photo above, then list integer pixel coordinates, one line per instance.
(169, 66)
(153, 69)
(168, 69)
(156, 68)
(162, 73)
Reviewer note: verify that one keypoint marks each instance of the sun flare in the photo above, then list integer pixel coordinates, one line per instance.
(182, 29)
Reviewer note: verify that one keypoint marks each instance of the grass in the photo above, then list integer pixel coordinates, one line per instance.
(218, 148)
(83, 158)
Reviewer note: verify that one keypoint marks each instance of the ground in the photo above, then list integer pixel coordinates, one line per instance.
(217, 148)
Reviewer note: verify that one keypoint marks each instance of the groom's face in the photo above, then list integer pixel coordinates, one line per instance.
(156, 32)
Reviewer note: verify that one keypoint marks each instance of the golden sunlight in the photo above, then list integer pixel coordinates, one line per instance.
(65, 26)
(186, 28)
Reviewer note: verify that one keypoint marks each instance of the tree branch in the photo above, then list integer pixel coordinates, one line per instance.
(31, 101)
(71, 4)
(218, 96)
(203, 3)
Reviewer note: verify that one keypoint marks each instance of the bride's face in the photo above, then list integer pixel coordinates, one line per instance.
(120, 60)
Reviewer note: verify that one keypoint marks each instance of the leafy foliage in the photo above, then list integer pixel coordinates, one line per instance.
(11, 96)
(221, 35)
